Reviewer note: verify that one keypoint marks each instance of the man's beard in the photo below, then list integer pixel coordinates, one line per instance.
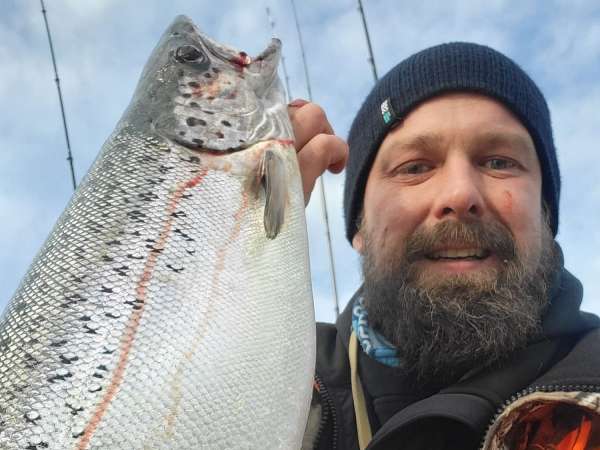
(445, 326)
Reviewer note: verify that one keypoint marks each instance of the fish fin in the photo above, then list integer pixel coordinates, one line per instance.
(274, 180)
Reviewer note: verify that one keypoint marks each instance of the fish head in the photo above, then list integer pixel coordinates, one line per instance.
(210, 97)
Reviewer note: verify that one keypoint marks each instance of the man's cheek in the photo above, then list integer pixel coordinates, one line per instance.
(528, 238)
(507, 202)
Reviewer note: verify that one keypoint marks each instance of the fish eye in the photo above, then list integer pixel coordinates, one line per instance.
(189, 54)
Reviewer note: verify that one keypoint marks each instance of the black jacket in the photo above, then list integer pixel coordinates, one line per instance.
(456, 417)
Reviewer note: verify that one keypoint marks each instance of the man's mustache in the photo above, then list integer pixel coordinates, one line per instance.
(492, 237)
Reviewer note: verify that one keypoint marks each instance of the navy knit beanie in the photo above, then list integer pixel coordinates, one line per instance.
(444, 68)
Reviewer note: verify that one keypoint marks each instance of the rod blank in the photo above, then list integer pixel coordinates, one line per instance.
(60, 98)
(371, 57)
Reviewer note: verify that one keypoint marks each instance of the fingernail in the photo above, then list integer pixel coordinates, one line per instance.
(297, 103)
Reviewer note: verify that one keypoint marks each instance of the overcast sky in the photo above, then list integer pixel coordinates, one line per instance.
(102, 45)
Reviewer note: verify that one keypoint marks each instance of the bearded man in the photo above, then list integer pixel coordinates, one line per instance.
(467, 329)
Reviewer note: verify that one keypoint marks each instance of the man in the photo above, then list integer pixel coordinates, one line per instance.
(467, 320)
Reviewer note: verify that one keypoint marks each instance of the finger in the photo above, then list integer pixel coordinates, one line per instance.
(308, 121)
(322, 152)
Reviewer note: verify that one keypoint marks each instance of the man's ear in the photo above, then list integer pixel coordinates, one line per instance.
(358, 242)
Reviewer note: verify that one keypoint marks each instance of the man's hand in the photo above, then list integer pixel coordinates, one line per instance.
(318, 148)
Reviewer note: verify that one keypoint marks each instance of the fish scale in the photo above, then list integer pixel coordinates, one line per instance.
(171, 306)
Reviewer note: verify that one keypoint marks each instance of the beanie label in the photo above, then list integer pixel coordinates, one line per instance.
(387, 112)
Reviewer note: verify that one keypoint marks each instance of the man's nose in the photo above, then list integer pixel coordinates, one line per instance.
(459, 193)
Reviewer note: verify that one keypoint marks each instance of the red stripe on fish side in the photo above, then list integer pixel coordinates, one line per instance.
(136, 315)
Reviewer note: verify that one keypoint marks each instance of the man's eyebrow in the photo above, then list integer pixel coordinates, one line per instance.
(423, 141)
(491, 140)
(498, 139)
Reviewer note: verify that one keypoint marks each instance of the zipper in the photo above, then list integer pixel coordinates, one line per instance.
(329, 408)
(532, 390)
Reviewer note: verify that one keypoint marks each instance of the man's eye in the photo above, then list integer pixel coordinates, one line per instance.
(499, 164)
(415, 168)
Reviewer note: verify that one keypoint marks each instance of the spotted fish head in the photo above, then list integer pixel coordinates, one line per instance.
(208, 96)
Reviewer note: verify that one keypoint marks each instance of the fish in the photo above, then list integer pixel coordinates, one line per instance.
(171, 306)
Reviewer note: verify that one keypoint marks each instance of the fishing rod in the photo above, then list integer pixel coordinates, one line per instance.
(371, 58)
(60, 98)
(285, 73)
(321, 182)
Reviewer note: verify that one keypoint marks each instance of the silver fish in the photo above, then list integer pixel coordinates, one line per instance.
(171, 307)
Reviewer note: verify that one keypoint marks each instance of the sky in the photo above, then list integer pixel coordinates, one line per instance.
(102, 45)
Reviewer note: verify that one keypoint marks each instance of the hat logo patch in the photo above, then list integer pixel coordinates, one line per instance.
(387, 112)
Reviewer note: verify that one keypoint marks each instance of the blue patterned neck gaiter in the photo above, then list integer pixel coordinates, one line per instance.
(372, 343)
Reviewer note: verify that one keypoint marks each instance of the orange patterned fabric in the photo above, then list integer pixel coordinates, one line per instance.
(555, 426)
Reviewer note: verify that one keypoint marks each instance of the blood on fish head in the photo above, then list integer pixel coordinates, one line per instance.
(210, 97)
